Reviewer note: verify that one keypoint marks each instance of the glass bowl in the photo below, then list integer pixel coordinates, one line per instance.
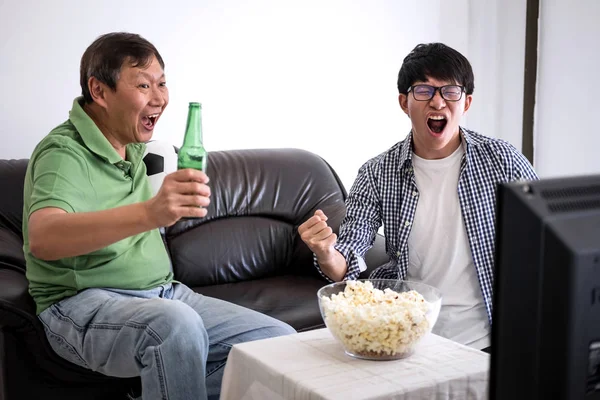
(379, 319)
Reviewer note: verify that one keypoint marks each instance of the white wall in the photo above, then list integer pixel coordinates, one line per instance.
(314, 74)
(566, 137)
(497, 53)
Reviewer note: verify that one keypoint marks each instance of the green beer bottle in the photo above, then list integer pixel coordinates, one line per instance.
(192, 153)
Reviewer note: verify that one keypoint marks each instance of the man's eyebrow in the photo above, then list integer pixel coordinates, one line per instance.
(149, 76)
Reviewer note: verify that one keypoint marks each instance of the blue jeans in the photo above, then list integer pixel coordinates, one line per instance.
(176, 340)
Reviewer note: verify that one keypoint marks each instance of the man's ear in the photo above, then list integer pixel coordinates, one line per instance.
(403, 100)
(468, 101)
(98, 91)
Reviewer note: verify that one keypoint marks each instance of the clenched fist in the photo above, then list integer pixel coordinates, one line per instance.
(318, 236)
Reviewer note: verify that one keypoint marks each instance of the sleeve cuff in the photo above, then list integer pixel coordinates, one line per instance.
(355, 265)
(63, 205)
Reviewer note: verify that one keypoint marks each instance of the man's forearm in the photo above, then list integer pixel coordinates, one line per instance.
(61, 235)
(334, 267)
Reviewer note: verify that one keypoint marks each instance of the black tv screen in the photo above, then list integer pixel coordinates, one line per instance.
(546, 315)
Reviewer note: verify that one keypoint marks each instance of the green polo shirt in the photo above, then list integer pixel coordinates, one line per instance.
(76, 169)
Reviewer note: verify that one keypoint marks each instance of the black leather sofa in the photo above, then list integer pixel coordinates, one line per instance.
(247, 251)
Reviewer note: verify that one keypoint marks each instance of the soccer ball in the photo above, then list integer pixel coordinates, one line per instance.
(160, 159)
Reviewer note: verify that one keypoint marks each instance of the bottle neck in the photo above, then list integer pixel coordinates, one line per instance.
(193, 129)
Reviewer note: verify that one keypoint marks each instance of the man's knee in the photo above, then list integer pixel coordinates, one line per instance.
(274, 328)
(284, 329)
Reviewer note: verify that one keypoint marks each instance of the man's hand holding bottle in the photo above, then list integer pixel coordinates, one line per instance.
(184, 194)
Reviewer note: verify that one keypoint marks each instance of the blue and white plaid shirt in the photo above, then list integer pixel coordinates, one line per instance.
(385, 192)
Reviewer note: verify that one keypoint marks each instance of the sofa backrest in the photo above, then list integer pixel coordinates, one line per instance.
(12, 174)
(258, 199)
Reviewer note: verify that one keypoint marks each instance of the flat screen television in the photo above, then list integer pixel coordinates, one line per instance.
(546, 314)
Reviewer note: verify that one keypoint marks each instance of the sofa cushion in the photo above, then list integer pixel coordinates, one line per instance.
(289, 298)
(258, 200)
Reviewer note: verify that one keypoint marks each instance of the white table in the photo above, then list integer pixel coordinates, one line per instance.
(312, 365)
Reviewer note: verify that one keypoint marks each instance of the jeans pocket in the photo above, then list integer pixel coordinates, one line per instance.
(64, 349)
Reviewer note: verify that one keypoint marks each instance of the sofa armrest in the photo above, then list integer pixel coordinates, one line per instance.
(17, 310)
(11, 250)
(16, 305)
(375, 257)
(3, 368)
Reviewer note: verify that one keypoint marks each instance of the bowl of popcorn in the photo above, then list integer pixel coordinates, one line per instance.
(379, 319)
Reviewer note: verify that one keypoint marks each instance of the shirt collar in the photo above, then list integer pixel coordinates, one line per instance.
(406, 149)
(95, 140)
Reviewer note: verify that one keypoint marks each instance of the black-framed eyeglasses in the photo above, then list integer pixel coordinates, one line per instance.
(426, 92)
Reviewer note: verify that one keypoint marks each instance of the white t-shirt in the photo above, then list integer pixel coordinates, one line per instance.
(439, 253)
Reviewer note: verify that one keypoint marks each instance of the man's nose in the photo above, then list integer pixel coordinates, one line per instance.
(437, 101)
(159, 97)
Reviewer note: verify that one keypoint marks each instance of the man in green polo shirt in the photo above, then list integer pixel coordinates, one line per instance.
(97, 267)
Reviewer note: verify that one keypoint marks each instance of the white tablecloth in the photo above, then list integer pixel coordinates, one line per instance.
(312, 365)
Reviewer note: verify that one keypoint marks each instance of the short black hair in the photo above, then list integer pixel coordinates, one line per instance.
(104, 58)
(438, 61)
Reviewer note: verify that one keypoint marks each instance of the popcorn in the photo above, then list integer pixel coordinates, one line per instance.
(376, 323)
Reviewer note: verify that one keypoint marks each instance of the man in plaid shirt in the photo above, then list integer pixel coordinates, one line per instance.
(435, 194)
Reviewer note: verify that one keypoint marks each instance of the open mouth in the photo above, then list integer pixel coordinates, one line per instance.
(149, 121)
(436, 123)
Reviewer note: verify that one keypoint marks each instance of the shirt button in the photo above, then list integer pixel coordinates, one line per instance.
(415, 194)
(397, 254)
(407, 223)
